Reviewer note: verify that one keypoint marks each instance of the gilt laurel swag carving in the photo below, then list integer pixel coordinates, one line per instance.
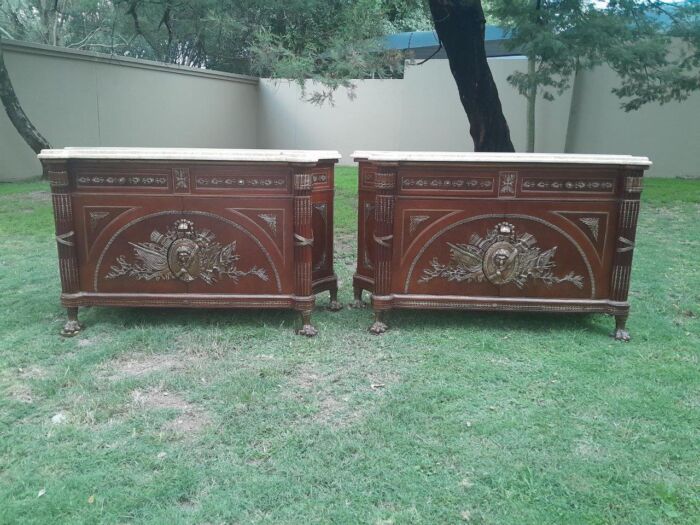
(593, 224)
(183, 253)
(501, 257)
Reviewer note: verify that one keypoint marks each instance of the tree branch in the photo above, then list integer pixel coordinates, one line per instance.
(19, 119)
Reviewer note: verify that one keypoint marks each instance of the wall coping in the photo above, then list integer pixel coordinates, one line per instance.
(31, 48)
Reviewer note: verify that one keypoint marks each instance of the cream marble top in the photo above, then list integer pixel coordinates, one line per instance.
(456, 156)
(190, 154)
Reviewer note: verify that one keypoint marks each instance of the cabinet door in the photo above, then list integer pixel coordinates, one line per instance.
(559, 249)
(440, 244)
(240, 245)
(124, 243)
(504, 249)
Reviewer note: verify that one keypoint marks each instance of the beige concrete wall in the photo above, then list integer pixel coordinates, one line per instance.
(85, 99)
(669, 135)
(420, 112)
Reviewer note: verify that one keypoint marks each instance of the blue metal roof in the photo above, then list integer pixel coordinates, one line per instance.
(421, 39)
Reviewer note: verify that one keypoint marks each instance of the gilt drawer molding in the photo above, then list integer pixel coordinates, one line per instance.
(193, 228)
(497, 231)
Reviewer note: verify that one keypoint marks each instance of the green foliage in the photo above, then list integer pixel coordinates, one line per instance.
(339, 43)
(331, 41)
(450, 417)
(654, 46)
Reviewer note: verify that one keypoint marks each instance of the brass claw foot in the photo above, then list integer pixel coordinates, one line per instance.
(335, 306)
(71, 328)
(378, 328)
(358, 303)
(620, 334)
(307, 330)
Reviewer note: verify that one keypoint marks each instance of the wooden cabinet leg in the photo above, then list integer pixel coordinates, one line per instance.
(307, 328)
(621, 333)
(357, 293)
(72, 326)
(334, 305)
(378, 327)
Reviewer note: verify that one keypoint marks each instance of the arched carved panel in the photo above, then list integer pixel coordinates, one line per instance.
(495, 254)
(186, 251)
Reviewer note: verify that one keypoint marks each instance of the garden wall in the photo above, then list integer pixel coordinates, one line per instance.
(87, 99)
(422, 111)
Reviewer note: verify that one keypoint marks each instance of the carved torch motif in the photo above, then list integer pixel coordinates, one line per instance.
(183, 253)
(501, 257)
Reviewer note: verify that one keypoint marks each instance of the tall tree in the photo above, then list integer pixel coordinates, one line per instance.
(653, 46)
(460, 26)
(14, 110)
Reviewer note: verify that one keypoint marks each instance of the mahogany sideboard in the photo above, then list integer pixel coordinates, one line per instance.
(193, 228)
(495, 231)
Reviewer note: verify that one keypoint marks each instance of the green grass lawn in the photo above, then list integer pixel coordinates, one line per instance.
(195, 416)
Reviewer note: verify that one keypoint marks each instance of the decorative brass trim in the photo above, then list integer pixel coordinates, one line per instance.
(303, 181)
(58, 179)
(369, 209)
(447, 183)
(179, 212)
(240, 182)
(620, 281)
(62, 207)
(181, 176)
(384, 181)
(626, 245)
(183, 253)
(414, 221)
(96, 217)
(530, 184)
(499, 216)
(384, 208)
(634, 184)
(482, 303)
(132, 180)
(270, 220)
(303, 241)
(62, 239)
(593, 224)
(322, 208)
(506, 184)
(629, 211)
(383, 241)
(501, 257)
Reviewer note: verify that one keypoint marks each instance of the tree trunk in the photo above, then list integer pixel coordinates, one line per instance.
(14, 110)
(531, 101)
(460, 26)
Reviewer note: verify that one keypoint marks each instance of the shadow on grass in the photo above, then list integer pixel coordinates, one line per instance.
(248, 319)
(492, 322)
(408, 321)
